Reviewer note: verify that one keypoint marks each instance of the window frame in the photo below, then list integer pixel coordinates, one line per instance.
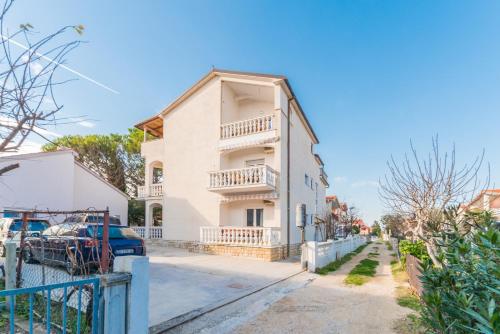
(254, 217)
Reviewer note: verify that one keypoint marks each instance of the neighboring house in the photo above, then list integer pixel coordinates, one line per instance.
(338, 210)
(224, 149)
(56, 181)
(363, 228)
(488, 199)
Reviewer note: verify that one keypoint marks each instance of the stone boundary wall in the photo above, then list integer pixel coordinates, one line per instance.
(274, 253)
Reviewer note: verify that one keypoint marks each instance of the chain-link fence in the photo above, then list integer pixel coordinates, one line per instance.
(55, 247)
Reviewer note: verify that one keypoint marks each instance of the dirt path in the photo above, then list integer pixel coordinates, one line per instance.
(327, 305)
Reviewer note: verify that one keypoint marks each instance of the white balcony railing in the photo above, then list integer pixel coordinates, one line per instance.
(249, 176)
(154, 232)
(154, 190)
(247, 127)
(241, 236)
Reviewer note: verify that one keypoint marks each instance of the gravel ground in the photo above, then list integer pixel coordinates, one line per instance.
(327, 305)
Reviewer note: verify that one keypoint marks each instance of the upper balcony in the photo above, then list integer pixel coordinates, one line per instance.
(249, 179)
(154, 190)
(247, 133)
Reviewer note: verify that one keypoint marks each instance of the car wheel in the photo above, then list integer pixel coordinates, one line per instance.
(27, 255)
(71, 268)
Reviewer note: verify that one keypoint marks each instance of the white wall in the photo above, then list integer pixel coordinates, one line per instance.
(234, 214)
(92, 192)
(43, 181)
(191, 135)
(237, 159)
(53, 181)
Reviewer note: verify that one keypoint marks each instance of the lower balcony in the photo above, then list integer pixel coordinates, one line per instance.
(148, 232)
(249, 179)
(240, 236)
(154, 190)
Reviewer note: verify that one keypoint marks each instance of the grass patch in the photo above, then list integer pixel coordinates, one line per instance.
(360, 274)
(373, 254)
(332, 266)
(411, 324)
(389, 245)
(404, 296)
(394, 255)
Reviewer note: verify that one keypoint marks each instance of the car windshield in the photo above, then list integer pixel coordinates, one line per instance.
(115, 232)
(33, 225)
(100, 220)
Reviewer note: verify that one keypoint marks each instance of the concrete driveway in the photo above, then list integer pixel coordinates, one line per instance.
(183, 283)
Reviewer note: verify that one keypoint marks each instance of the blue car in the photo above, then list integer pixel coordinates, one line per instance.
(78, 247)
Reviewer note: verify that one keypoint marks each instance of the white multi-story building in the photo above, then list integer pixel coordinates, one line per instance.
(230, 161)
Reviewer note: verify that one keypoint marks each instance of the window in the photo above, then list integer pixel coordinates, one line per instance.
(306, 179)
(255, 217)
(255, 162)
(157, 175)
(312, 181)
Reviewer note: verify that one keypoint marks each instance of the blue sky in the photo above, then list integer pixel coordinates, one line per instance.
(369, 74)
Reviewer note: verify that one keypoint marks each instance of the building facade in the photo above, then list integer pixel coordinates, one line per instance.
(236, 156)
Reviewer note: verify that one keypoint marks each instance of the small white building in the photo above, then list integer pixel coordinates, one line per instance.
(56, 181)
(230, 161)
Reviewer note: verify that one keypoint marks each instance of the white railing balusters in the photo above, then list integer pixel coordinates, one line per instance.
(247, 127)
(249, 236)
(154, 232)
(154, 190)
(258, 175)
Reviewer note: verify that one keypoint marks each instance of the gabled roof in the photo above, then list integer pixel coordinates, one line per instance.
(153, 123)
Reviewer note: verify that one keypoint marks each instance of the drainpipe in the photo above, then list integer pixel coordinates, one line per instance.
(288, 178)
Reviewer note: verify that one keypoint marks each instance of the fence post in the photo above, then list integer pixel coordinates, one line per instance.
(10, 268)
(312, 256)
(113, 304)
(105, 243)
(137, 291)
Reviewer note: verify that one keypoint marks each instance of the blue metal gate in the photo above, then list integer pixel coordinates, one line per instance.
(67, 307)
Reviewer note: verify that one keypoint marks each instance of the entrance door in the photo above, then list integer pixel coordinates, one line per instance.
(255, 217)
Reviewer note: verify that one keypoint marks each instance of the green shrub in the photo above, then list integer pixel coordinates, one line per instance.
(416, 249)
(463, 295)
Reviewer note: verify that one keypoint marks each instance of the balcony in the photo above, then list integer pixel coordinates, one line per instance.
(249, 179)
(240, 236)
(153, 232)
(154, 190)
(247, 133)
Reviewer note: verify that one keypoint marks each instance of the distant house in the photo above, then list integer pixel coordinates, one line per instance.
(363, 228)
(56, 181)
(488, 199)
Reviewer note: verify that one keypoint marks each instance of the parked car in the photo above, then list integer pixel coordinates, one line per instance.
(10, 230)
(78, 246)
(90, 218)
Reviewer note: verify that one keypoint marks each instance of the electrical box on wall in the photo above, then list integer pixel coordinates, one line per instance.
(300, 215)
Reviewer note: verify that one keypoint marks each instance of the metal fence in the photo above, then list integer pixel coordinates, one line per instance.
(60, 246)
(59, 253)
(413, 270)
(69, 307)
